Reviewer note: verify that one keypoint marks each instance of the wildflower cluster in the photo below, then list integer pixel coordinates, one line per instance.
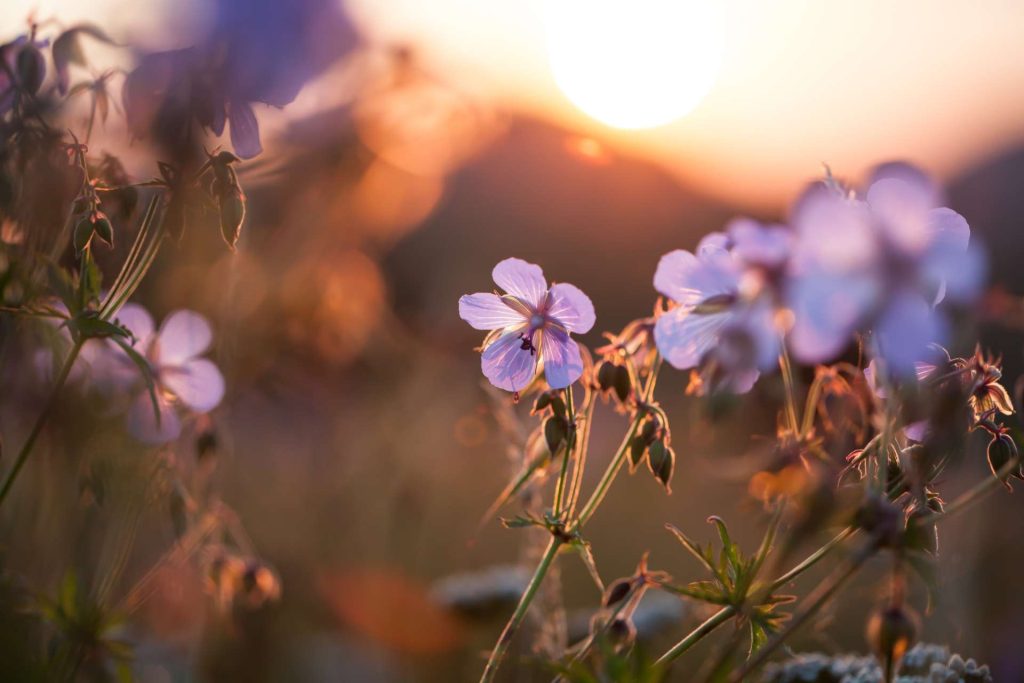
(865, 287)
(64, 207)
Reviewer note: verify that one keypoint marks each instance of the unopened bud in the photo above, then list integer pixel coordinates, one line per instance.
(617, 592)
(1001, 452)
(232, 213)
(891, 632)
(662, 461)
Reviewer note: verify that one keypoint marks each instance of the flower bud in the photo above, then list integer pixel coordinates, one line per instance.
(31, 68)
(1001, 451)
(891, 632)
(84, 230)
(555, 431)
(617, 592)
(662, 461)
(103, 229)
(232, 213)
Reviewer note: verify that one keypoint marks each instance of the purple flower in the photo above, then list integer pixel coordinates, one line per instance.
(182, 376)
(880, 263)
(717, 318)
(530, 323)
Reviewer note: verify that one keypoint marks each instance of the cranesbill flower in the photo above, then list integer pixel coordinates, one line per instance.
(716, 318)
(183, 378)
(529, 325)
(879, 263)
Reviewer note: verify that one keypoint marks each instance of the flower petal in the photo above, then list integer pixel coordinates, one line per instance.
(569, 306)
(832, 231)
(908, 333)
(197, 383)
(563, 363)
(486, 311)
(683, 337)
(507, 365)
(139, 322)
(827, 309)
(689, 280)
(183, 336)
(901, 197)
(757, 244)
(245, 130)
(142, 421)
(521, 279)
(952, 267)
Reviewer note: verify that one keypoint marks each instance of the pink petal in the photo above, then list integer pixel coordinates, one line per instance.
(183, 336)
(485, 311)
(832, 231)
(142, 421)
(684, 337)
(521, 279)
(139, 322)
(563, 363)
(507, 365)
(198, 384)
(571, 307)
(827, 309)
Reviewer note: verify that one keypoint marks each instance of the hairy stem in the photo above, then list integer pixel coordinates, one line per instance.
(498, 653)
(37, 428)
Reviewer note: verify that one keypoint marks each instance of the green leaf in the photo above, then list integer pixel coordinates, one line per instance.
(521, 522)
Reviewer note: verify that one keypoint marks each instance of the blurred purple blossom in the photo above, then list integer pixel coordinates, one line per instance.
(881, 263)
(717, 319)
(22, 69)
(256, 51)
(530, 323)
(174, 353)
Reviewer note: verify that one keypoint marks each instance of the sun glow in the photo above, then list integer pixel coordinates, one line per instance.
(634, 63)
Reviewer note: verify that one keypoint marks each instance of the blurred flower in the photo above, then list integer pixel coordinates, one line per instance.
(529, 323)
(257, 51)
(882, 262)
(716, 324)
(22, 69)
(182, 376)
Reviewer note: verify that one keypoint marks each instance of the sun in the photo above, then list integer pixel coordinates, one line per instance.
(634, 63)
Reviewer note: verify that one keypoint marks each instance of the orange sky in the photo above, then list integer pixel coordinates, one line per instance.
(801, 83)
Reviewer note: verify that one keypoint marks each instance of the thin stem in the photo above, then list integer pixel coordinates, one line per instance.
(570, 444)
(498, 653)
(714, 621)
(37, 428)
(620, 455)
(576, 484)
(975, 493)
(787, 379)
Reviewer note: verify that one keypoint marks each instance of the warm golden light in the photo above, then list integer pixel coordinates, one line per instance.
(634, 63)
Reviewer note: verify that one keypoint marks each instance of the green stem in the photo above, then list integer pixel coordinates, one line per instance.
(570, 444)
(787, 379)
(498, 653)
(37, 428)
(620, 455)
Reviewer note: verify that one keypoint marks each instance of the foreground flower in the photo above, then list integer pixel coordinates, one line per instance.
(717, 320)
(529, 324)
(880, 263)
(182, 377)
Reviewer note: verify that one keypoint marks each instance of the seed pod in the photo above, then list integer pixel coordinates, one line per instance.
(542, 402)
(623, 383)
(554, 433)
(103, 229)
(1001, 451)
(616, 592)
(606, 375)
(890, 633)
(84, 230)
(31, 68)
(637, 450)
(232, 213)
(622, 633)
(662, 461)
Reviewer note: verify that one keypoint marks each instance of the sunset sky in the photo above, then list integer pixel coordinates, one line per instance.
(797, 83)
